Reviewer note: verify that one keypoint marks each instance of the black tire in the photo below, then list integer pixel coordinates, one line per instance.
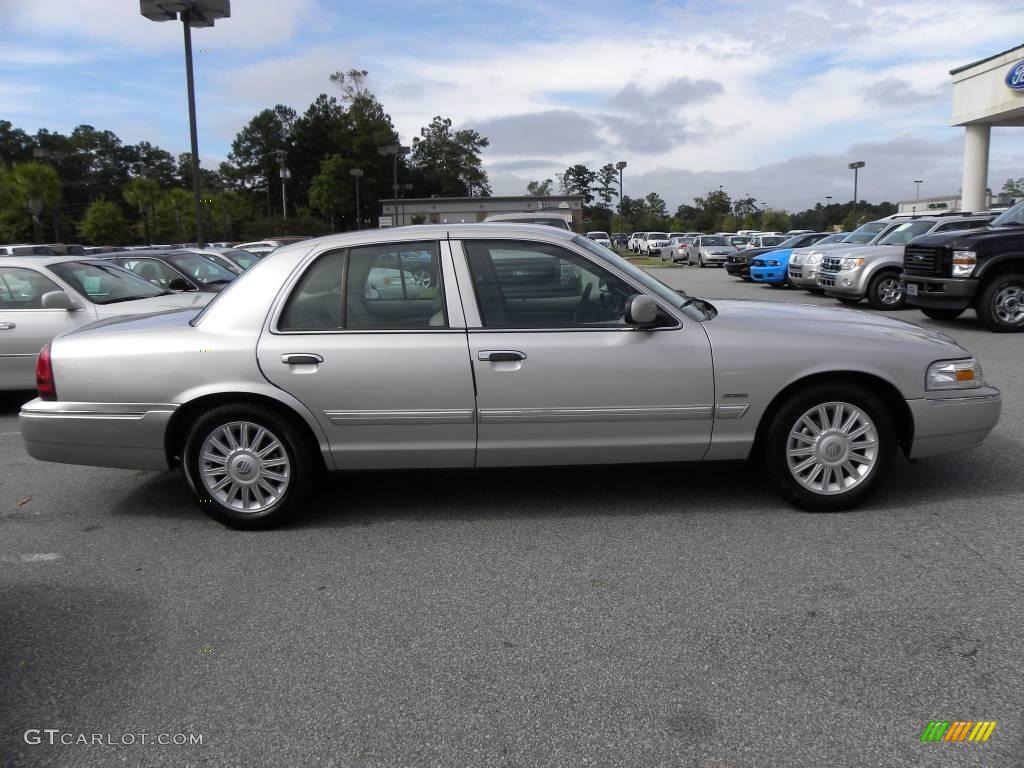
(700, 260)
(777, 438)
(1001, 304)
(302, 466)
(941, 314)
(885, 291)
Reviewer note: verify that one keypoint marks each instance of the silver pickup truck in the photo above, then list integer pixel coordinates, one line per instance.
(875, 272)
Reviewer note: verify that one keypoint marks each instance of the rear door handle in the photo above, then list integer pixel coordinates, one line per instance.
(301, 358)
(500, 355)
(8, 326)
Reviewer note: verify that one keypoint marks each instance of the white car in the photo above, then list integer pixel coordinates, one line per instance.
(653, 242)
(601, 238)
(634, 241)
(42, 296)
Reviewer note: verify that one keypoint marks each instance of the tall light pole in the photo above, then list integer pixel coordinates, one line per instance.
(193, 13)
(917, 191)
(394, 150)
(620, 165)
(855, 166)
(402, 189)
(282, 158)
(357, 173)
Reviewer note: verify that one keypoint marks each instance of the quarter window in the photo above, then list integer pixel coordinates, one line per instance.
(23, 288)
(536, 285)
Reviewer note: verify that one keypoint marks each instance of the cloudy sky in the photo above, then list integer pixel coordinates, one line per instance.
(764, 97)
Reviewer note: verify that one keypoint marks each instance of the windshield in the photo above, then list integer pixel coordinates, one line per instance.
(105, 283)
(598, 235)
(657, 236)
(838, 237)
(793, 242)
(739, 240)
(713, 241)
(242, 258)
(669, 294)
(906, 232)
(1012, 217)
(200, 268)
(772, 240)
(865, 234)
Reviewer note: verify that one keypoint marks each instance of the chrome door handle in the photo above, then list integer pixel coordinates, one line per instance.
(8, 326)
(500, 355)
(301, 358)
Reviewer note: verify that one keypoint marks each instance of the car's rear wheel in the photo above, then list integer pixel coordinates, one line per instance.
(886, 291)
(936, 313)
(700, 260)
(1001, 304)
(248, 467)
(829, 447)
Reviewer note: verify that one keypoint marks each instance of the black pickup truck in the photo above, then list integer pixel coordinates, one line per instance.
(944, 274)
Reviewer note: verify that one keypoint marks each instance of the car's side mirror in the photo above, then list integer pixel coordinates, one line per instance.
(178, 284)
(641, 311)
(59, 300)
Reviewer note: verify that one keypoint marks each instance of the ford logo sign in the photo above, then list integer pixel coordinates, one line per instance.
(1015, 77)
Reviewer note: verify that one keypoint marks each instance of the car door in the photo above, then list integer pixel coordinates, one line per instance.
(379, 358)
(25, 326)
(561, 378)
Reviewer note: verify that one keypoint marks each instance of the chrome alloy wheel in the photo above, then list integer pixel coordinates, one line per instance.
(832, 448)
(244, 466)
(1008, 305)
(890, 291)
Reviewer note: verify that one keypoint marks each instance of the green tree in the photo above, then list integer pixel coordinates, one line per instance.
(447, 162)
(37, 187)
(1014, 187)
(175, 215)
(539, 188)
(103, 224)
(332, 193)
(711, 208)
(254, 160)
(578, 180)
(775, 221)
(141, 194)
(606, 184)
(15, 144)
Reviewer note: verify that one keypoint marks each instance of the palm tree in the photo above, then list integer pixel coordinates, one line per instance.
(141, 193)
(179, 199)
(38, 187)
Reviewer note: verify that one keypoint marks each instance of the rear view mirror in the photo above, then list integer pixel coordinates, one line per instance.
(58, 300)
(641, 311)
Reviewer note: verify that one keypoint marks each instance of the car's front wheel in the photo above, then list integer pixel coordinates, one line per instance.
(886, 291)
(829, 447)
(1001, 304)
(248, 467)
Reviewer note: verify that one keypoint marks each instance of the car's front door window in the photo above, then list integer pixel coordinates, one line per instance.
(537, 285)
(23, 288)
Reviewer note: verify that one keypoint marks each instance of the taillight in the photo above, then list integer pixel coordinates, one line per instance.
(44, 376)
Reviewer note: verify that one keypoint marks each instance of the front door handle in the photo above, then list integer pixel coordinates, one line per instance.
(500, 355)
(301, 358)
(8, 326)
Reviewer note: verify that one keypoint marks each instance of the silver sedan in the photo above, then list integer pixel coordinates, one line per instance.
(534, 347)
(42, 296)
(709, 249)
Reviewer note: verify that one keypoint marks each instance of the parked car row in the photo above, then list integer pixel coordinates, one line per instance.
(941, 263)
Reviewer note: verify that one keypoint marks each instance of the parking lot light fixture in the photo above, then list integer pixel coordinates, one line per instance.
(620, 165)
(917, 191)
(357, 174)
(855, 166)
(193, 13)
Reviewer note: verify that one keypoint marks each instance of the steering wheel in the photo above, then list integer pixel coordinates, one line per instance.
(577, 316)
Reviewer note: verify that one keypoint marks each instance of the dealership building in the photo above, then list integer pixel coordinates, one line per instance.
(462, 210)
(986, 94)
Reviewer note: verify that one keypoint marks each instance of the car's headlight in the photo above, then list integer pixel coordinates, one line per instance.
(815, 257)
(964, 263)
(851, 264)
(796, 259)
(954, 374)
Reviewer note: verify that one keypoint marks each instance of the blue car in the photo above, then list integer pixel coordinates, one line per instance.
(772, 267)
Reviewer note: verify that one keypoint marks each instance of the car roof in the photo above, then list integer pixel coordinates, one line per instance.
(42, 260)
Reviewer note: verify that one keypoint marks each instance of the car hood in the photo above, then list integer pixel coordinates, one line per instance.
(185, 300)
(975, 239)
(865, 251)
(793, 325)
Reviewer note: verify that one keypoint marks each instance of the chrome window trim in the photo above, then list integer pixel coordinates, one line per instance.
(456, 320)
(474, 306)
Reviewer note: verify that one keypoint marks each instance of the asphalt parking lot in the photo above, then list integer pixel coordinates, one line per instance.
(635, 616)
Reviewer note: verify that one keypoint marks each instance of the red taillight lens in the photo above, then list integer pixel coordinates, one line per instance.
(44, 376)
